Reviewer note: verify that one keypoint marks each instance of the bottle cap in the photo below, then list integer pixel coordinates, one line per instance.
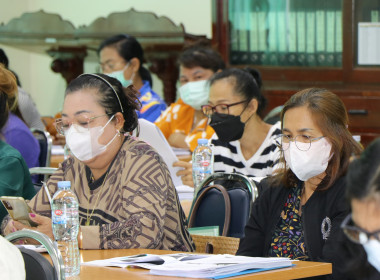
(64, 184)
(202, 141)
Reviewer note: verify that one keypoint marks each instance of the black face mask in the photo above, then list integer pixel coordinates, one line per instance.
(227, 127)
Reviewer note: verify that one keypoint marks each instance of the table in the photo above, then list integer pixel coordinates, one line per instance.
(55, 160)
(300, 270)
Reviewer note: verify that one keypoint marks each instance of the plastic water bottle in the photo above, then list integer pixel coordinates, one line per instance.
(65, 219)
(203, 163)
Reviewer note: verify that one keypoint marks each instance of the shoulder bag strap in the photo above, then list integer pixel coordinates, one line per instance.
(227, 202)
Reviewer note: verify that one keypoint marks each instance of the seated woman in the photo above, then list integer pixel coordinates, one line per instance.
(121, 57)
(15, 179)
(243, 142)
(18, 135)
(183, 123)
(125, 192)
(358, 249)
(300, 210)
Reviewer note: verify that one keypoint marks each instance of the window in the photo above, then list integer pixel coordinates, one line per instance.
(286, 33)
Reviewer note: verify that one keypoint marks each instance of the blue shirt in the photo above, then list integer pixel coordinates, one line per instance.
(152, 104)
(19, 136)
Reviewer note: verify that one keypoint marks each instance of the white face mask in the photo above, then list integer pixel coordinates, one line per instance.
(84, 142)
(372, 248)
(119, 75)
(195, 94)
(310, 163)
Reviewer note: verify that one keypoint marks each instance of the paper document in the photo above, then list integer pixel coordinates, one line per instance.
(218, 265)
(57, 150)
(195, 265)
(147, 261)
(151, 134)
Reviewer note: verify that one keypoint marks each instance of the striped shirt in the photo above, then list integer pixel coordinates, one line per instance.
(228, 156)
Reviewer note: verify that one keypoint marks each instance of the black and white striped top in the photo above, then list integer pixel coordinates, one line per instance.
(229, 158)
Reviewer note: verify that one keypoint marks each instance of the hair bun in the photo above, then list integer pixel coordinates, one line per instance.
(256, 75)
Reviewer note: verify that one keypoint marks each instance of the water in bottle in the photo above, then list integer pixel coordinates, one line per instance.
(65, 223)
(203, 163)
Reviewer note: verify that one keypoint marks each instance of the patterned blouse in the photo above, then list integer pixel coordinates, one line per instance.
(288, 239)
(135, 206)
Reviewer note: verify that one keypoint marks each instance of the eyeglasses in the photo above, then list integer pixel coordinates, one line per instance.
(208, 110)
(357, 234)
(108, 66)
(62, 125)
(302, 142)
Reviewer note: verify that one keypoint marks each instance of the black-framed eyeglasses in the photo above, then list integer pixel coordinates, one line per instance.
(302, 142)
(62, 125)
(357, 234)
(208, 110)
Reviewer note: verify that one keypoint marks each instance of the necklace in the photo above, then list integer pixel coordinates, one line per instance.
(88, 217)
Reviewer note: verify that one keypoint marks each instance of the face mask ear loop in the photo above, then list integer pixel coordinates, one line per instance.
(132, 77)
(107, 123)
(112, 139)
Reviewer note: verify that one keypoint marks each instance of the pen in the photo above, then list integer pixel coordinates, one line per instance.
(47, 191)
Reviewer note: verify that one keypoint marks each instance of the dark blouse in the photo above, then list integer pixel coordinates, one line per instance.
(288, 238)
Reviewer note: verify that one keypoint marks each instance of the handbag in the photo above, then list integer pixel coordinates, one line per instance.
(226, 203)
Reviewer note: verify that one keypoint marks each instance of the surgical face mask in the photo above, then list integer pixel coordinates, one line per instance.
(310, 163)
(227, 127)
(119, 75)
(195, 94)
(84, 142)
(372, 248)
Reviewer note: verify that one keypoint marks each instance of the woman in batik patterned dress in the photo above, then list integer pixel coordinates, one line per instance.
(126, 196)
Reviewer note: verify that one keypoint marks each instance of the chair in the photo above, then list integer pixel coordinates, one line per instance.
(274, 115)
(225, 203)
(46, 143)
(37, 267)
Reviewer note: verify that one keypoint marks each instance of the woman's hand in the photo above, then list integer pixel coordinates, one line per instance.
(186, 173)
(9, 228)
(44, 225)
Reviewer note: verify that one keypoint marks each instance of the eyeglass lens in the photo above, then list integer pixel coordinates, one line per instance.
(302, 142)
(64, 124)
(356, 234)
(221, 109)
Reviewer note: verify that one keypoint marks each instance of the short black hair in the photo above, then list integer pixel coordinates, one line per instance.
(3, 58)
(363, 176)
(128, 47)
(246, 82)
(201, 56)
(129, 102)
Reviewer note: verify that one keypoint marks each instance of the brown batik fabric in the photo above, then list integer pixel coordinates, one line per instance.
(136, 207)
